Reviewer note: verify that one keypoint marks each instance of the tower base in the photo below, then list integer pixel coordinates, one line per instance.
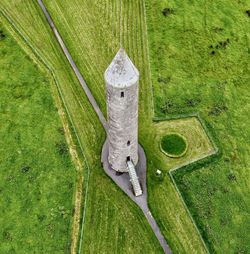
(123, 180)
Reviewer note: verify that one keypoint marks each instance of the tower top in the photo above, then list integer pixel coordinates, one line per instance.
(121, 72)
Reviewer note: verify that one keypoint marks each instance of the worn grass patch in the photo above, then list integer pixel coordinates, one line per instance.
(36, 173)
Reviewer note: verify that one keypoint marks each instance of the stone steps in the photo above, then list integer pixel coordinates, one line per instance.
(134, 179)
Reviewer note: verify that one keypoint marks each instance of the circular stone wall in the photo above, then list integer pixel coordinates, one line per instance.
(174, 145)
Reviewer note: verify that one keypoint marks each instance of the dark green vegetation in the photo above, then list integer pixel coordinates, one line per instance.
(36, 172)
(174, 145)
(199, 56)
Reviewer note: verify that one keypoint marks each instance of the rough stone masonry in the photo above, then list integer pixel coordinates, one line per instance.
(122, 80)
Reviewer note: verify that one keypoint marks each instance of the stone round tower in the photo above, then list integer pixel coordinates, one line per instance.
(122, 108)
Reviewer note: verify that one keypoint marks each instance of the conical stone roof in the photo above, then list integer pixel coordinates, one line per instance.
(121, 72)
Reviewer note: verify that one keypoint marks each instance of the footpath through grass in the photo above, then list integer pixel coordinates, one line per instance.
(199, 53)
(93, 32)
(112, 222)
(36, 173)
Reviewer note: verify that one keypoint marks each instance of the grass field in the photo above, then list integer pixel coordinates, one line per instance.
(199, 54)
(109, 213)
(36, 172)
(93, 43)
(93, 32)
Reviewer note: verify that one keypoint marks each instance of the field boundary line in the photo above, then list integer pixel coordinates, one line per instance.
(103, 121)
(51, 71)
(176, 117)
(189, 115)
(171, 171)
(152, 113)
(190, 162)
(155, 119)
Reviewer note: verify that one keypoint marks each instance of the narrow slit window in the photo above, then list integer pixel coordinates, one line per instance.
(128, 158)
(128, 143)
(122, 94)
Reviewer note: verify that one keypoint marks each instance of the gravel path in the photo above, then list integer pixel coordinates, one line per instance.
(74, 67)
(122, 180)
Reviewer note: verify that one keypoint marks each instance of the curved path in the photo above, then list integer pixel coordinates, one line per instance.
(121, 180)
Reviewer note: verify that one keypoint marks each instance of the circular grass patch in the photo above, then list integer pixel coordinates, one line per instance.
(174, 145)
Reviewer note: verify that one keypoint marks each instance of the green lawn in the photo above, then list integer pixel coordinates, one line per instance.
(93, 32)
(36, 172)
(199, 54)
(112, 222)
(93, 43)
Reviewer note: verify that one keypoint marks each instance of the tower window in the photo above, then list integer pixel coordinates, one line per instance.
(122, 94)
(128, 158)
(128, 143)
